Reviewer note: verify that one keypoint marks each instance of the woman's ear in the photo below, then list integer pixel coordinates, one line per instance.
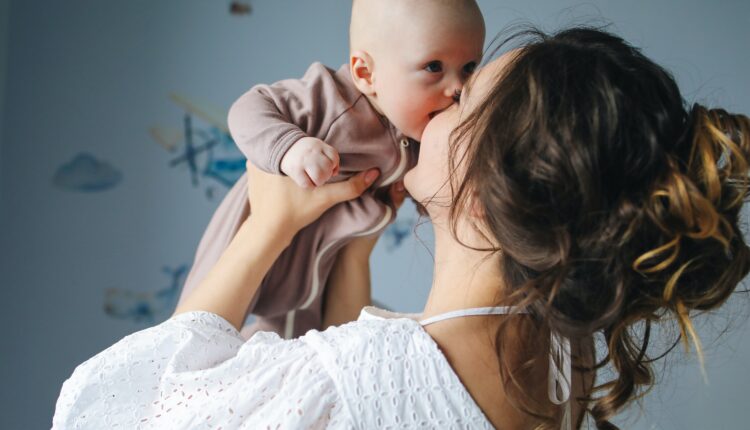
(361, 67)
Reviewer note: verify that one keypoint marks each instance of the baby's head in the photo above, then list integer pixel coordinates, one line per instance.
(412, 57)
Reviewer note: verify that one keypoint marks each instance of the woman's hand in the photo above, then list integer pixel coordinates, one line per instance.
(363, 246)
(279, 208)
(279, 203)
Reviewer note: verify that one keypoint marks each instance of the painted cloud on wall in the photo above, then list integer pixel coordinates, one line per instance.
(87, 174)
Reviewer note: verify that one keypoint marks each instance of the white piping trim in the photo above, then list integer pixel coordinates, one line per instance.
(289, 326)
(404, 143)
(381, 224)
(401, 164)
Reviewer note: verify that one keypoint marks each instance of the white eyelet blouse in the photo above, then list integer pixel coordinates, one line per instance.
(196, 371)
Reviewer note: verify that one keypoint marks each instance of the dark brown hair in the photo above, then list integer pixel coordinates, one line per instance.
(615, 205)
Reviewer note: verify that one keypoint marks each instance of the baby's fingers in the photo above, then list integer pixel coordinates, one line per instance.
(321, 170)
(332, 155)
(318, 175)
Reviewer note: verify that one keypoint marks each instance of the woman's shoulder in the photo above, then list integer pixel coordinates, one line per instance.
(196, 365)
(384, 364)
(375, 331)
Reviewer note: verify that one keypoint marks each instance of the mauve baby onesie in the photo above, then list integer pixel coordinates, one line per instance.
(264, 123)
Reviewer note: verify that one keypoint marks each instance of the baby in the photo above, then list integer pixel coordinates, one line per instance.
(408, 61)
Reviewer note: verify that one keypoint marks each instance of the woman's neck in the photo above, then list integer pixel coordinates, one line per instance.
(462, 278)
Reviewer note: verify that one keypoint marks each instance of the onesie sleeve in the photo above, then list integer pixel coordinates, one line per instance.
(195, 370)
(268, 119)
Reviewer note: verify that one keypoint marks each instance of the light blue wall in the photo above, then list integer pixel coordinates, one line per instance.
(93, 75)
(4, 32)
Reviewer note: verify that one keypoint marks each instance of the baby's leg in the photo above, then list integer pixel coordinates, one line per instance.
(225, 222)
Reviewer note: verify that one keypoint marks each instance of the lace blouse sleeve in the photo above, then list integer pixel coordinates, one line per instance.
(196, 370)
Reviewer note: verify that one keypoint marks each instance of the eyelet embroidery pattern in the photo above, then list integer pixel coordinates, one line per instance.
(391, 375)
(196, 371)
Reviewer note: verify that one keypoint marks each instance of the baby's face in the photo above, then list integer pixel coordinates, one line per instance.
(424, 69)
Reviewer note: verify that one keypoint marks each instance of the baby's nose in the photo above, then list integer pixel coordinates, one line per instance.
(453, 87)
(453, 90)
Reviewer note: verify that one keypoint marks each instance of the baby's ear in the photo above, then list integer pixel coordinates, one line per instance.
(361, 66)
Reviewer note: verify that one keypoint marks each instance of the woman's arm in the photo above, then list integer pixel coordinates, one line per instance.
(280, 209)
(232, 283)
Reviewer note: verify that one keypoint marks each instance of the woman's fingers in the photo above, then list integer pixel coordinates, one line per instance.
(279, 200)
(351, 188)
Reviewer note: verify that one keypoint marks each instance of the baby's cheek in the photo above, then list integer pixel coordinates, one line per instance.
(418, 113)
(405, 119)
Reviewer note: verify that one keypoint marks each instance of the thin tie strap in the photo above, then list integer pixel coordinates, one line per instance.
(469, 312)
(558, 384)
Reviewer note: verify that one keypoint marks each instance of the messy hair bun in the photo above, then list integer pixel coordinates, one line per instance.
(612, 204)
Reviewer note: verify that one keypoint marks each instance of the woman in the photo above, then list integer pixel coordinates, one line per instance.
(569, 189)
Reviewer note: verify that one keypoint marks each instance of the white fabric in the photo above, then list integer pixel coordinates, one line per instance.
(558, 380)
(196, 371)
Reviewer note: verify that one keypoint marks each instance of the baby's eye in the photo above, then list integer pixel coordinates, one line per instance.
(434, 67)
(470, 67)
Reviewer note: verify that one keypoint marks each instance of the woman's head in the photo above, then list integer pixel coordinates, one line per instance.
(611, 203)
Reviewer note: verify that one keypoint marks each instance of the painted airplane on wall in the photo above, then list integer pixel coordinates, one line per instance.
(146, 307)
(208, 151)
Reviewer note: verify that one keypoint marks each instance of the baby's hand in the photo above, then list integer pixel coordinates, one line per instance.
(310, 162)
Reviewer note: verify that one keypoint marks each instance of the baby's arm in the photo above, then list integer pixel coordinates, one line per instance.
(269, 120)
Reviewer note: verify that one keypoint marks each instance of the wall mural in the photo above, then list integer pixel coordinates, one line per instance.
(85, 173)
(397, 232)
(240, 8)
(205, 147)
(202, 145)
(148, 307)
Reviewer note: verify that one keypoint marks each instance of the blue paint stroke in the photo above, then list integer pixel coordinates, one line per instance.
(397, 232)
(146, 306)
(86, 173)
(226, 171)
(222, 162)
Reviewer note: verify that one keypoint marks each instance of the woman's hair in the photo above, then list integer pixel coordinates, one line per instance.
(613, 203)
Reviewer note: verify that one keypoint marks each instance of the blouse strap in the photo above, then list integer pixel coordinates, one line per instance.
(559, 376)
(492, 310)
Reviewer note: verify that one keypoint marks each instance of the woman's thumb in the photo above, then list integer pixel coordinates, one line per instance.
(370, 177)
(355, 186)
